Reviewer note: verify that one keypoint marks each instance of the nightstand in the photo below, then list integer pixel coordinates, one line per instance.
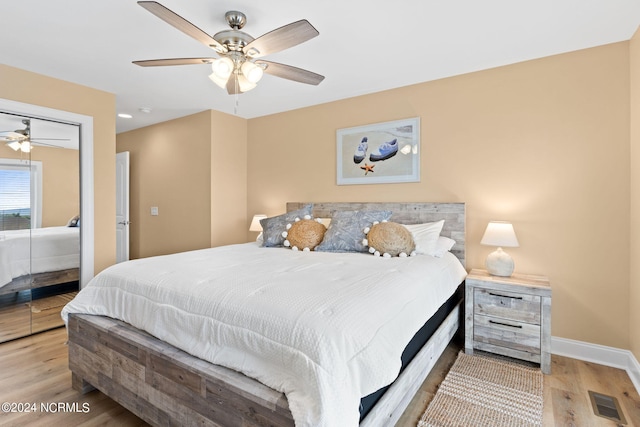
(510, 316)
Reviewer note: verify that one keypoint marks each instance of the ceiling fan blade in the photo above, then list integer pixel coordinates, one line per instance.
(291, 73)
(173, 61)
(52, 144)
(10, 135)
(39, 140)
(182, 24)
(281, 38)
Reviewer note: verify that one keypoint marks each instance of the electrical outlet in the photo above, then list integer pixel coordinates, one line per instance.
(154, 210)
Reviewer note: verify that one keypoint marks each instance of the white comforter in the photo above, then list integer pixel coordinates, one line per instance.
(324, 328)
(37, 251)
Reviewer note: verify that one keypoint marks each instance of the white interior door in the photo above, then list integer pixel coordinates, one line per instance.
(122, 206)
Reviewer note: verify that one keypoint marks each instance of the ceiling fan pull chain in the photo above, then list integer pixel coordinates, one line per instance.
(235, 108)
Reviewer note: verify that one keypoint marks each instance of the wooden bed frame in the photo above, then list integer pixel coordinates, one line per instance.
(166, 386)
(40, 280)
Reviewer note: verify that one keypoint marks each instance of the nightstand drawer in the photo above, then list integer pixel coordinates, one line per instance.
(507, 333)
(507, 305)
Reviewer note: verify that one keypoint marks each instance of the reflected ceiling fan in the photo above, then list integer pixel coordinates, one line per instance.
(239, 67)
(21, 139)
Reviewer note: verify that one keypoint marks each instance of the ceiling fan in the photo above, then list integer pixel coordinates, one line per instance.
(21, 139)
(239, 67)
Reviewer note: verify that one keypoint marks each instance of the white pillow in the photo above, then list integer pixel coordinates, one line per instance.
(325, 221)
(443, 245)
(426, 236)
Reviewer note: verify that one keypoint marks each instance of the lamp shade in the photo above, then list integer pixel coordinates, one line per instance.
(15, 145)
(222, 67)
(255, 223)
(251, 71)
(500, 233)
(218, 80)
(244, 84)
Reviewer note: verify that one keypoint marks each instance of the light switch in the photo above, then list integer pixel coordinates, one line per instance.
(154, 210)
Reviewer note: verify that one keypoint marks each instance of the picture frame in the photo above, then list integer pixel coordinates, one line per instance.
(379, 153)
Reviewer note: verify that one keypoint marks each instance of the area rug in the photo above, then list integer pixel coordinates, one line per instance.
(486, 391)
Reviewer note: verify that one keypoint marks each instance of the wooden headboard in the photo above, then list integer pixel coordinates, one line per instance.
(406, 213)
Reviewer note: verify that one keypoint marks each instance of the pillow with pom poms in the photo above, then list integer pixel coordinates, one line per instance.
(304, 234)
(389, 239)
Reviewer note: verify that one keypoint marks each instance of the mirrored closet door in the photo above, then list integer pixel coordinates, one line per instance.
(39, 222)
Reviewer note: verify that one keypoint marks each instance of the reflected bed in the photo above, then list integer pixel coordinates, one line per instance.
(38, 257)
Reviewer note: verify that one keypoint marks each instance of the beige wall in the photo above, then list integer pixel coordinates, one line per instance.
(170, 169)
(60, 182)
(634, 300)
(543, 144)
(228, 179)
(24, 86)
(194, 170)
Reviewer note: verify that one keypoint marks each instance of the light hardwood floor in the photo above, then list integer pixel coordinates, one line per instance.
(20, 316)
(34, 370)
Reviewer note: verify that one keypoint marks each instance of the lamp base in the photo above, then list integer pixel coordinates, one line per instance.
(499, 263)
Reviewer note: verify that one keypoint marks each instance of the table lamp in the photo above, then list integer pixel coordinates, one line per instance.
(255, 222)
(499, 233)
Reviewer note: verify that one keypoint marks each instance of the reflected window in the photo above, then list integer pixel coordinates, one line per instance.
(20, 194)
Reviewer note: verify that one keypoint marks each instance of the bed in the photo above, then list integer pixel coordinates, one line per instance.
(324, 377)
(38, 257)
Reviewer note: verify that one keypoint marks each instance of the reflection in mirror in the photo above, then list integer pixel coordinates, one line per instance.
(39, 223)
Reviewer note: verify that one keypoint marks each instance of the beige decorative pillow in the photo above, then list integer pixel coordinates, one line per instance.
(304, 234)
(389, 239)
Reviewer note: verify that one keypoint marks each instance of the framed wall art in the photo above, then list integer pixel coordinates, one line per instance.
(379, 153)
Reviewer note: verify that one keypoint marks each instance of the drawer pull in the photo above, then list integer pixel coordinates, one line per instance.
(503, 296)
(505, 324)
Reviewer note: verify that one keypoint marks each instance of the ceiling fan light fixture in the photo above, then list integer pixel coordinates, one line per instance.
(222, 67)
(244, 84)
(238, 50)
(252, 72)
(218, 80)
(15, 145)
(24, 146)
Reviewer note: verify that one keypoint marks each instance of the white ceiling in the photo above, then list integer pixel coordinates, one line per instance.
(364, 46)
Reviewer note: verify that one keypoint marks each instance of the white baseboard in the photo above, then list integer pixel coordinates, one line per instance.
(603, 355)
